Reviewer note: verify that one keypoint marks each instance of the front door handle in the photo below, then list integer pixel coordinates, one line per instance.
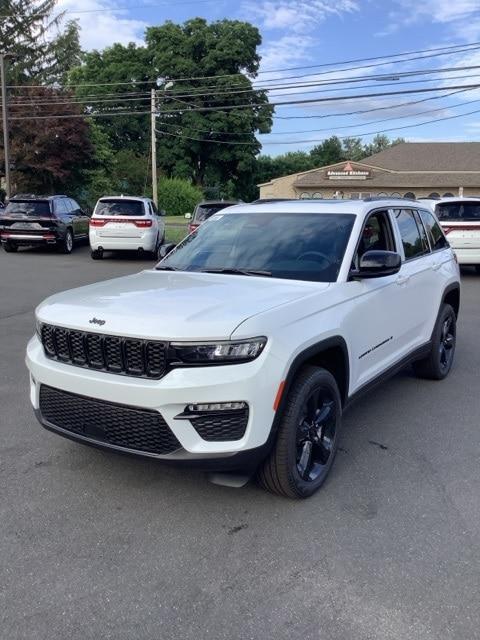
(402, 280)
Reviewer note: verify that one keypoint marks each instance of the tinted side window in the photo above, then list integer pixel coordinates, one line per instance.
(435, 233)
(61, 206)
(423, 233)
(413, 244)
(74, 206)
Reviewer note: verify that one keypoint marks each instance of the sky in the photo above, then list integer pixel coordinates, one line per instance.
(321, 32)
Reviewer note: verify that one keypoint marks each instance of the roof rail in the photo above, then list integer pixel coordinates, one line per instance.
(374, 198)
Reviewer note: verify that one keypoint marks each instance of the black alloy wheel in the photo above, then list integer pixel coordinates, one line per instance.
(447, 343)
(437, 365)
(316, 435)
(307, 436)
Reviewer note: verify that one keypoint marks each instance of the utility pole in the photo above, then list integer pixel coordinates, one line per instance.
(6, 143)
(154, 147)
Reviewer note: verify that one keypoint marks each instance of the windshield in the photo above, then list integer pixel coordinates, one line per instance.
(119, 207)
(294, 246)
(27, 209)
(469, 211)
(204, 211)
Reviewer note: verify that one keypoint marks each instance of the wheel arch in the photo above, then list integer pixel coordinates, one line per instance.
(330, 354)
(451, 296)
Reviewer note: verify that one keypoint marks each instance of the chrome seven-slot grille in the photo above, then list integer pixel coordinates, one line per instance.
(125, 356)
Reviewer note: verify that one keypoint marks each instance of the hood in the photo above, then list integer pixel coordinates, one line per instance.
(171, 305)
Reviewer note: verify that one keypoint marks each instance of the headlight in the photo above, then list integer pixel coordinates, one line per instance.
(219, 352)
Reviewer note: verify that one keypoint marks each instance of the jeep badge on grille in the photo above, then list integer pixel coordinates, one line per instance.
(97, 321)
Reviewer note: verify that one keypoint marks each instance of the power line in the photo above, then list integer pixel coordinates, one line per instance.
(82, 101)
(227, 108)
(283, 142)
(335, 128)
(117, 9)
(450, 50)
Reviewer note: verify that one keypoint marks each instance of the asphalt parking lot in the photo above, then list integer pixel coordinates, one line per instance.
(97, 545)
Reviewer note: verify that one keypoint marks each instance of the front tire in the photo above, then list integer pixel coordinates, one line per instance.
(9, 247)
(437, 365)
(66, 245)
(477, 268)
(307, 437)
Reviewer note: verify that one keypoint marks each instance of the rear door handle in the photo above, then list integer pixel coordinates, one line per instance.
(436, 266)
(402, 280)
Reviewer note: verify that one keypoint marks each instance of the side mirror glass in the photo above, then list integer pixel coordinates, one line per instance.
(377, 264)
(188, 216)
(165, 249)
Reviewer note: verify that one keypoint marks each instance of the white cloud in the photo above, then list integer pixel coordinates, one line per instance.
(456, 14)
(298, 15)
(100, 25)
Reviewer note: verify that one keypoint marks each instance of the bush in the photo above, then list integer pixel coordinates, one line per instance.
(177, 197)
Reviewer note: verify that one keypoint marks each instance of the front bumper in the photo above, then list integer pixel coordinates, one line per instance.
(252, 383)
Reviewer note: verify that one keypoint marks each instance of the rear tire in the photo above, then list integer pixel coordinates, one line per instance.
(437, 365)
(96, 254)
(307, 437)
(477, 268)
(66, 245)
(9, 247)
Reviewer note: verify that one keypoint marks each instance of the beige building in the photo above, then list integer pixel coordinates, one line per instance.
(409, 169)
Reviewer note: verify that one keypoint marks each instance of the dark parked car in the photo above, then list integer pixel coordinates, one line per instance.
(205, 210)
(42, 220)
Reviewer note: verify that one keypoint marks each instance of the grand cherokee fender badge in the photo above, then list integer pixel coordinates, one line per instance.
(97, 321)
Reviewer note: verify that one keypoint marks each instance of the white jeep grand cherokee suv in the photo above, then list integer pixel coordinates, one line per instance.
(241, 350)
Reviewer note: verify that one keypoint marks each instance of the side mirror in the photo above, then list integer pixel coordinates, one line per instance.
(188, 216)
(377, 264)
(165, 249)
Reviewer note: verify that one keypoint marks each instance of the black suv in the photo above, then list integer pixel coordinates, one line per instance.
(37, 220)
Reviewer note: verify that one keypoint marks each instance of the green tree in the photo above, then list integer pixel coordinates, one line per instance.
(30, 31)
(379, 143)
(214, 135)
(177, 196)
(131, 67)
(67, 53)
(353, 149)
(328, 152)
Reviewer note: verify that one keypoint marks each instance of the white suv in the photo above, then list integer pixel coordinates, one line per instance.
(460, 220)
(125, 223)
(241, 350)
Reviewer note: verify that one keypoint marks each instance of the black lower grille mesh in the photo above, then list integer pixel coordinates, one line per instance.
(107, 422)
(221, 427)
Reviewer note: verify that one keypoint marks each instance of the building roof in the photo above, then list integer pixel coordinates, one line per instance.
(400, 180)
(428, 156)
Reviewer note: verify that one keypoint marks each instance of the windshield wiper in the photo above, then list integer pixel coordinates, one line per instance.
(166, 267)
(240, 272)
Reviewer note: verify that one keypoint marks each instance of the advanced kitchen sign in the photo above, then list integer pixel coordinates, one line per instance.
(348, 172)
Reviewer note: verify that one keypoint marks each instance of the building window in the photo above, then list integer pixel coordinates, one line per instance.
(305, 196)
(448, 195)
(317, 195)
(395, 194)
(434, 194)
(382, 194)
(354, 196)
(410, 195)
